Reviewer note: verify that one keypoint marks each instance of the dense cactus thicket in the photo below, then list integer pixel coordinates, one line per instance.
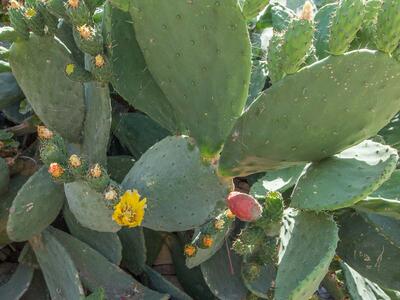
(258, 141)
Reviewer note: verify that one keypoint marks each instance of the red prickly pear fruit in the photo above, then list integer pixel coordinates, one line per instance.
(244, 206)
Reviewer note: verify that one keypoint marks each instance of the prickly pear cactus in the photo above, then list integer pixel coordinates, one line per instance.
(240, 136)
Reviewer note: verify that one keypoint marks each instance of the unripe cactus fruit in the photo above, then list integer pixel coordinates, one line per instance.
(190, 250)
(56, 170)
(244, 206)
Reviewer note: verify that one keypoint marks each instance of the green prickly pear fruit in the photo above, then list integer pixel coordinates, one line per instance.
(57, 8)
(297, 41)
(345, 25)
(97, 178)
(50, 152)
(78, 12)
(17, 19)
(274, 58)
(244, 206)
(77, 73)
(35, 20)
(248, 240)
(388, 26)
(101, 68)
(272, 214)
(88, 39)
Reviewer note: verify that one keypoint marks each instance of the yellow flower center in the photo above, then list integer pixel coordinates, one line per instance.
(69, 69)
(130, 209)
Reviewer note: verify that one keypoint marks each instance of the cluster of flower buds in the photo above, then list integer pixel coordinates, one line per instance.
(215, 229)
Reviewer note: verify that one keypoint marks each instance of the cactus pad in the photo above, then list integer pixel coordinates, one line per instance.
(97, 272)
(63, 99)
(295, 121)
(4, 176)
(313, 239)
(167, 175)
(59, 271)
(17, 285)
(35, 206)
(345, 179)
(89, 207)
(199, 53)
(133, 249)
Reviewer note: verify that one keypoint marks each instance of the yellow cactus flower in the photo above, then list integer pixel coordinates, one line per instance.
(207, 240)
(44, 133)
(99, 61)
(190, 250)
(69, 69)
(130, 209)
(95, 171)
(75, 161)
(56, 170)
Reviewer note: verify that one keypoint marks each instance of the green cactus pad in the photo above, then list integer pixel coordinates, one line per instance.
(64, 99)
(137, 132)
(368, 252)
(346, 178)
(258, 78)
(17, 285)
(167, 175)
(308, 122)
(133, 249)
(163, 285)
(97, 126)
(132, 79)
(8, 34)
(251, 8)
(28, 257)
(222, 275)
(385, 200)
(10, 92)
(391, 132)
(106, 243)
(323, 19)
(97, 272)
(89, 207)
(204, 254)
(6, 201)
(58, 268)
(37, 289)
(4, 176)
(313, 239)
(360, 288)
(201, 61)
(276, 15)
(386, 226)
(388, 26)
(345, 25)
(192, 280)
(263, 285)
(119, 166)
(279, 180)
(35, 206)
(154, 241)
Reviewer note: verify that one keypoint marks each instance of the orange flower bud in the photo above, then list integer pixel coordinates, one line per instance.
(44, 133)
(85, 31)
(229, 214)
(75, 161)
(73, 3)
(219, 224)
(190, 250)
(207, 240)
(307, 12)
(95, 171)
(56, 170)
